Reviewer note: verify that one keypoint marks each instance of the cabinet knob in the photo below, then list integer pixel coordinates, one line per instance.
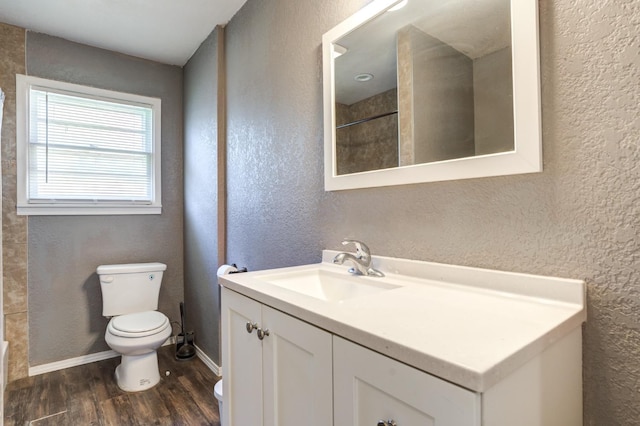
(262, 333)
(387, 423)
(251, 326)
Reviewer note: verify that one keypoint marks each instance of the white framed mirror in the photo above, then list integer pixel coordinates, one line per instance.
(424, 91)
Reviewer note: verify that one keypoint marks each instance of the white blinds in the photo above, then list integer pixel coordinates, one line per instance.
(88, 150)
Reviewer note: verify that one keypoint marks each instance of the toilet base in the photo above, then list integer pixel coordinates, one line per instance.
(138, 372)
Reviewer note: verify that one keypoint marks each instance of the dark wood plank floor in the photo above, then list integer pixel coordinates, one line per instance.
(88, 395)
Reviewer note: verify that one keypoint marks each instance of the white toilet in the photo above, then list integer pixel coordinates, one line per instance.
(136, 329)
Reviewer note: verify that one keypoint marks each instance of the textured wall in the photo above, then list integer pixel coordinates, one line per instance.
(200, 196)
(580, 218)
(65, 303)
(274, 134)
(14, 227)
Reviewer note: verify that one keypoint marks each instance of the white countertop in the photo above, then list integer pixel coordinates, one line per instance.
(470, 326)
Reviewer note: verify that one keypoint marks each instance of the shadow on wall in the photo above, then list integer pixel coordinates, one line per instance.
(97, 323)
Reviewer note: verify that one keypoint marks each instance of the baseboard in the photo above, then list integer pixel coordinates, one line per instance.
(81, 360)
(208, 362)
(71, 362)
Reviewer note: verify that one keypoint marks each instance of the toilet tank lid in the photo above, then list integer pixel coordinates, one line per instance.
(130, 268)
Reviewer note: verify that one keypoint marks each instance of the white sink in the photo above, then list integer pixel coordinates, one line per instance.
(327, 285)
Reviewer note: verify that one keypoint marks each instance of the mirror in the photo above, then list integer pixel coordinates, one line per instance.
(422, 91)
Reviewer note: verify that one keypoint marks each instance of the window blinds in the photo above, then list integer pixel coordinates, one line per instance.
(83, 149)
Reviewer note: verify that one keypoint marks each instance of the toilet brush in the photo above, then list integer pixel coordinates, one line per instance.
(186, 350)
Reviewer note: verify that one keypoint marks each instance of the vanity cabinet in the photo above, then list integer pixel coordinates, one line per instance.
(294, 375)
(370, 388)
(483, 348)
(277, 369)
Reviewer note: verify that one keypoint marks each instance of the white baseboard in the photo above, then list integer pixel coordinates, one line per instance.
(71, 362)
(208, 362)
(81, 360)
(100, 356)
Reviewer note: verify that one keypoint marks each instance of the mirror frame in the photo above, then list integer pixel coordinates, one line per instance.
(527, 154)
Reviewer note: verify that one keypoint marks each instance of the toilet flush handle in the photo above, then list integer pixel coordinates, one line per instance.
(106, 279)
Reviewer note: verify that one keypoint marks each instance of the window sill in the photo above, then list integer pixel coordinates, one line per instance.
(86, 210)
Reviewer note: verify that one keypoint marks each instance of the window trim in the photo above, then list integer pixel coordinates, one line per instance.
(25, 207)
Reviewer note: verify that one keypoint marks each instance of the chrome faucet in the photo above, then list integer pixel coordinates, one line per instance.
(361, 260)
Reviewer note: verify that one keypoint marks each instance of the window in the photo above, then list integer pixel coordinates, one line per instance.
(83, 150)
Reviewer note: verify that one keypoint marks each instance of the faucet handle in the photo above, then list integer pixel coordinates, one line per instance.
(362, 250)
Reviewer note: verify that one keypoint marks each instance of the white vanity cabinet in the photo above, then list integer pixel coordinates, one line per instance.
(427, 344)
(371, 389)
(277, 369)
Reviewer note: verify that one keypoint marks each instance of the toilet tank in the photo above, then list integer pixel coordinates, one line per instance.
(130, 288)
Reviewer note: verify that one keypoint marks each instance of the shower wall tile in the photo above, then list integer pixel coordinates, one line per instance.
(14, 259)
(371, 145)
(16, 329)
(405, 98)
(14, 227)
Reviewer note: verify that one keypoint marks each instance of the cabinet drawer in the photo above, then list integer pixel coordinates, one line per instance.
(369, 387)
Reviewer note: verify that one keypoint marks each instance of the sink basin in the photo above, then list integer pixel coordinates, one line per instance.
(327, 285)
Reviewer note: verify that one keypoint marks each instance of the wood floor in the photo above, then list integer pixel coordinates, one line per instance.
(88, 395)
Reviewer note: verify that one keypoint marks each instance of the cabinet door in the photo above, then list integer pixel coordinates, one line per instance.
(297, 372)
(369, 387)
(241, 361)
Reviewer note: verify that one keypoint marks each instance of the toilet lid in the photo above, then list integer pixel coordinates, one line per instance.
(145, 323)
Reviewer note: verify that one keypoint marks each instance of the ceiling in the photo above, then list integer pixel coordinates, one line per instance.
(167, 31)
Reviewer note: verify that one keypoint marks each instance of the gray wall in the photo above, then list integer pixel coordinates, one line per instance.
(65, 303)
(200, 196)
(277, 208)
(580, 218)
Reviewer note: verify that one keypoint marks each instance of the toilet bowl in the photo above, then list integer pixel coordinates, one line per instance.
(137, 337)
(135, 330)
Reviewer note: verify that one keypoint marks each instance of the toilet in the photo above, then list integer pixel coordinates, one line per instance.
(136, 329)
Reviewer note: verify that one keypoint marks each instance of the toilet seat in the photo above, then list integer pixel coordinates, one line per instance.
(140, 324)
